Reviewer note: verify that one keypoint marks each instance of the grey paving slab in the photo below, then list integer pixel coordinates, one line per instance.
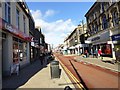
(36, 76)
(42, 79)
(105, 63)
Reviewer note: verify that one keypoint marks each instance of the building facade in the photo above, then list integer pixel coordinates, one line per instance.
(31, 34)
(75, 42)
(15, 35)
(0, 48)
(103, 22)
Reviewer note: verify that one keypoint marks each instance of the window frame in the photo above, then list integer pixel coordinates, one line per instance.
(17, 18)
(8, 12)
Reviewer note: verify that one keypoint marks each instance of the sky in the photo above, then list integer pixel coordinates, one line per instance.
(58, 19)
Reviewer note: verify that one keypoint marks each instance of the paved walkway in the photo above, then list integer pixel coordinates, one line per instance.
(37, 76)
(105, 63)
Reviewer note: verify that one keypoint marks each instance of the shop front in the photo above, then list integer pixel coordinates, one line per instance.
(32, 50)
(100, 41)
(15, 47)
(116, 42)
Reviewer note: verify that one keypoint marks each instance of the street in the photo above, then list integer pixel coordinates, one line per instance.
(68, 45)
(90, 76)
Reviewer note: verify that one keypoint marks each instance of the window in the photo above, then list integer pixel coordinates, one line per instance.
(96, 27)
(92, 29)
(20, 50)
(115, 19)
(40, 40)
(7, 12)
(25, 49)
(17, 18)
(24, 24)
(104, 22)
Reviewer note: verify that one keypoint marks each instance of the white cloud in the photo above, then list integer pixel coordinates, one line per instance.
(49, 13)
(55, 32)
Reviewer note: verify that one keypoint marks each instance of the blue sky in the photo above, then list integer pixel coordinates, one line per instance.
(58, 19)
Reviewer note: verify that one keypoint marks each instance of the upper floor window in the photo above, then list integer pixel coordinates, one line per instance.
(7, 12)
(102, 7)
(17, 18)
(96, 27)
(24, 24)
(104, 22)
(115, 18)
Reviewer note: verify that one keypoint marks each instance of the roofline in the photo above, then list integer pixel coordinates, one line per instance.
(91, 9)
(70, 34)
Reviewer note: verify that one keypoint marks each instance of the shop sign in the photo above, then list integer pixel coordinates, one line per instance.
(12, 29)
(95, 39)
(116, 37)
(32, 44)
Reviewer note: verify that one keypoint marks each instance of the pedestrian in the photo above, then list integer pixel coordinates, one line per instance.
(100, 53)
(86, 53)
(41, 58)
(117, 54)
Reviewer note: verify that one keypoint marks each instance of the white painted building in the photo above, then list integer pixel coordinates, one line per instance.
(15, 35)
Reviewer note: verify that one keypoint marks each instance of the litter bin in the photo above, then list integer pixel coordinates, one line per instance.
(54, 68)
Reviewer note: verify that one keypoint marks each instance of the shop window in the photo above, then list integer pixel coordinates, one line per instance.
(15, 52)
(106, 49)
(25, 49)
(20, 50)
(31, 52)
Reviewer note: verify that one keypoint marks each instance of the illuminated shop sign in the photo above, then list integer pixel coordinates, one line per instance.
(116, 37)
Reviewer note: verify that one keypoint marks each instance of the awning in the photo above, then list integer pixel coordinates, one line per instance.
(81, 45)
(72, 47)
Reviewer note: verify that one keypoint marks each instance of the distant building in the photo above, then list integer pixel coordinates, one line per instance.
(103, 22)
(75, 42)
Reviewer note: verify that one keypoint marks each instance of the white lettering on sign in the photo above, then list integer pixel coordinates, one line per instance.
(10, 28)
(117, 36)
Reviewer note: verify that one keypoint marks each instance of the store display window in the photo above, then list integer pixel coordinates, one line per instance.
(106, 49)
(21, 50)
(25, 49)
(15, 52)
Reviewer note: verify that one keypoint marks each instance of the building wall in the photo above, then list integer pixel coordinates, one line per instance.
(8, 42)
(96, 23)
(0, 59)
(0, 50)
(7, 60)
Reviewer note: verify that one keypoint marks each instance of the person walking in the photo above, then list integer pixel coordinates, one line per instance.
(100, 53)
(117, 54)
(86, 53)
(41, 58)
